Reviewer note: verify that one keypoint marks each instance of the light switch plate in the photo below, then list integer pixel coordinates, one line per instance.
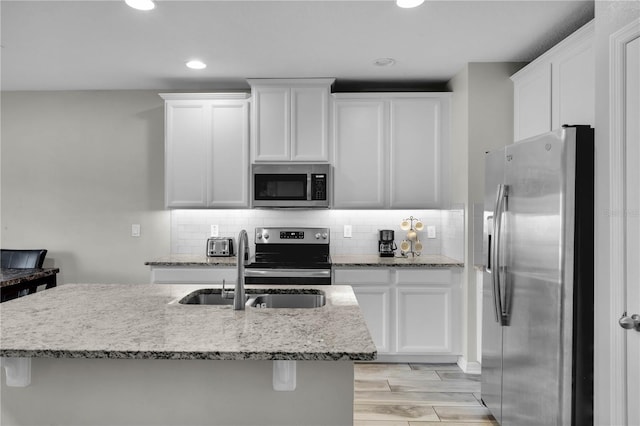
(431, 231)
(214, 230)
(347, 231)
(135, 230)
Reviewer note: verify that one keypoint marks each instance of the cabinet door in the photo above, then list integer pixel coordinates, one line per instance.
(359, 154)
(272, 123)
(229, 165)
(186, 154)
(532, 102)
(574, 86)
(416, 141)
(309, 124)
(423, 320)
(375, 303)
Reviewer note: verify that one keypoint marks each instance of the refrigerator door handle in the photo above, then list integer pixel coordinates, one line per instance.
(498, 292)
(489, 263)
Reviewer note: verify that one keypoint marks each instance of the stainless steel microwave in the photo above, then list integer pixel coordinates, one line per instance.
(301, 185)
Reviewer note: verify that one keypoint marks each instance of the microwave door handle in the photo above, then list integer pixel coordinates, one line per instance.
(308, 186)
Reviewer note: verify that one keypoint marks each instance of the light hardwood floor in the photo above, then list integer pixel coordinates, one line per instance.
(417, 395)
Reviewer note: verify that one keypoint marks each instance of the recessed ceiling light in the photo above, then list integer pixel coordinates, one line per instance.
(196, 65)
(141, 4)
(407, 4)
(384, 62)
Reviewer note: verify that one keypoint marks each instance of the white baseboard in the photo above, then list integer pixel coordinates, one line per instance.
(418, 359)
(472, 367)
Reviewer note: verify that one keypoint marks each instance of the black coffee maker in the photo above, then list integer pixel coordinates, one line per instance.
(386, 245)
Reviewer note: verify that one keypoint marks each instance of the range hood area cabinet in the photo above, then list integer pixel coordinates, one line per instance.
(557, 88)
(206, 150)
(391, 150)
(290, 119)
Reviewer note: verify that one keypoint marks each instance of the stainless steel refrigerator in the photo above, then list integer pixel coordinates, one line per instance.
(537, 331)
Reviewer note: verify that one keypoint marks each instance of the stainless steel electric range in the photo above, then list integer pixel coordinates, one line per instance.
(290, 256)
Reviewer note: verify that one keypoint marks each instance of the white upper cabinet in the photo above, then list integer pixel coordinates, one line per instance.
(418, 135)
(390, 150)
(206, 150)
(359, 154)
(557, 88)
(290, 120)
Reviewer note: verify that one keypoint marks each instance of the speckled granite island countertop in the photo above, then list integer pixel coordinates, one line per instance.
(141, 322)
(373, 260)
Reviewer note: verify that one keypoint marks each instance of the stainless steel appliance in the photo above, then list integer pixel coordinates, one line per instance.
(537, 336)
(386, 243)
(220, 247)
(290, 256)
(300, 185)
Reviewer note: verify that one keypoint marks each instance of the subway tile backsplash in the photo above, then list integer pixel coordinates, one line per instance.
(191, 228)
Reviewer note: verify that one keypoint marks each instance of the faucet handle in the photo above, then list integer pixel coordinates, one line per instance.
(226, 294)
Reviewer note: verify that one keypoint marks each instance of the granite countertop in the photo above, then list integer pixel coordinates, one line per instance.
(9, 277)
(374, 260)
(337, 260)
(192, 260)
(145, 322)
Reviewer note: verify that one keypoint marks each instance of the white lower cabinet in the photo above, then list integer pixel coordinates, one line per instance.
(423, 320)
(192, 275)
(375, 305)
(411, 313)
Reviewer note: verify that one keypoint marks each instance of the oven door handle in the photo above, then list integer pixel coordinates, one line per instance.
(301, 273)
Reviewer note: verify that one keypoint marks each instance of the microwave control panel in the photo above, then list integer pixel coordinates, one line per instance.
(318, 186)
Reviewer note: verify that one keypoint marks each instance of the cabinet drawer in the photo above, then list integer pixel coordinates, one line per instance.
(362, 276)
(425, 276)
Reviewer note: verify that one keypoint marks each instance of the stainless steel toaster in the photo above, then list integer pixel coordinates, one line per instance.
(220, 247)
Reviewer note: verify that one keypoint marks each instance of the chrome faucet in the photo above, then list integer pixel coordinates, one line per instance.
(242, 259)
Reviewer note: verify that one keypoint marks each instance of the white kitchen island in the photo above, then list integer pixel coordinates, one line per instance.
(129, 355)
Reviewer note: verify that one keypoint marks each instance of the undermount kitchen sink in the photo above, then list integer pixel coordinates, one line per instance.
(287, 300)
(206, 296)
(213, 296)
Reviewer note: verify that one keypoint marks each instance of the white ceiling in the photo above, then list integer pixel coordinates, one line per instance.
(87, 45)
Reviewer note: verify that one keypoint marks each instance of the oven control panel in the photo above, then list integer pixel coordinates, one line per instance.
(292, 235)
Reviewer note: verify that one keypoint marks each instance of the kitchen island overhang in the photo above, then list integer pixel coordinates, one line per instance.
(118, 344)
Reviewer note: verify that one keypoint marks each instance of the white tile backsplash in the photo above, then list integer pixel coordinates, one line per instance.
(453, 233)
(191, 228)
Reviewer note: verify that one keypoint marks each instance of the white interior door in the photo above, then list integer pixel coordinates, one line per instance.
(625, 223)
(632, 223)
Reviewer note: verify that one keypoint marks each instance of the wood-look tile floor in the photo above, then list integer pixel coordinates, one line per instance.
(417, 395)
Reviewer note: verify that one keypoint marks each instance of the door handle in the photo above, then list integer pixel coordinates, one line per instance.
(629, 322)
(500, 290)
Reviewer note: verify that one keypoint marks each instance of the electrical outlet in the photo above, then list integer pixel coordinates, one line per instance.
(347, 231)
(214, 230)
(135, 230)
(431, 231)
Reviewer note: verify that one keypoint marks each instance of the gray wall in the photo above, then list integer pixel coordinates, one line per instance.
(482, 121)
(78, 168)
